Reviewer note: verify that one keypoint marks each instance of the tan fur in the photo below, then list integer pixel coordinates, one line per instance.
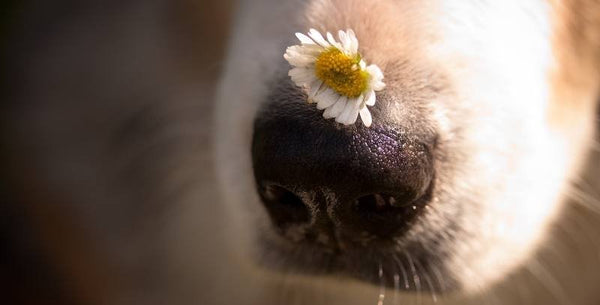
(385, 27)
(576, 74)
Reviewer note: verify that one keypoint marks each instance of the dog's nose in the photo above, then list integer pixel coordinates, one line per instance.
(355, 179)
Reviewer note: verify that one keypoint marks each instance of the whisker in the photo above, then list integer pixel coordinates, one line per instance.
(548, 280)
(439, 278)
(428, 281)
(403, 271)
(396, 288)
(583, 199)
(585, 186)
(381, 286)
(415, 276)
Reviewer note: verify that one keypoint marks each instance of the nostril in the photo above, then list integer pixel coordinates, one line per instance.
(284, 207)
(374, 204)
(383, 214)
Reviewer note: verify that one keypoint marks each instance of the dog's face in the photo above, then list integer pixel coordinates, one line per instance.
(455, 183)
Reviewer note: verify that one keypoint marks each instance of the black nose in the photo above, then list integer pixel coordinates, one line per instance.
(325, 177)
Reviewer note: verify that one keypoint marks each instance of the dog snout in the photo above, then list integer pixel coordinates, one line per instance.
(327, 177)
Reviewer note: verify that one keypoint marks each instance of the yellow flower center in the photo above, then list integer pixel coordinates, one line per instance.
(341, 72)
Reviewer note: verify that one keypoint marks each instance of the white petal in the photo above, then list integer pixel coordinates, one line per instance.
(301, 50)
(370, 98)
(298, 60)
(378, 86)
(353, 116)
(336, 109)
(375, 82)
(353, 47)
(346, 114)
(302, 76)
(326, 98)
(345, 41)
(304, 39)
(341, 36)
(300, 72)
(358, 105)
(375, 72)
(307, 50)
(365, 116)
(318, 38)
(327, 113)
(314, 88)
(332, 41)
(362, 64)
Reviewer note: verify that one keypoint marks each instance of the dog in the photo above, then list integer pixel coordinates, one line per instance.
(149, 178)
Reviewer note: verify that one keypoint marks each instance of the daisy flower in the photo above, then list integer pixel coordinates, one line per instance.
(335, 76)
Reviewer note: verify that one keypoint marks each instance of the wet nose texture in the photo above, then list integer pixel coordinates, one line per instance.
(372, 180)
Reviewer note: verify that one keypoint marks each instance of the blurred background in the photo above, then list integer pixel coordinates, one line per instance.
(99, 99)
